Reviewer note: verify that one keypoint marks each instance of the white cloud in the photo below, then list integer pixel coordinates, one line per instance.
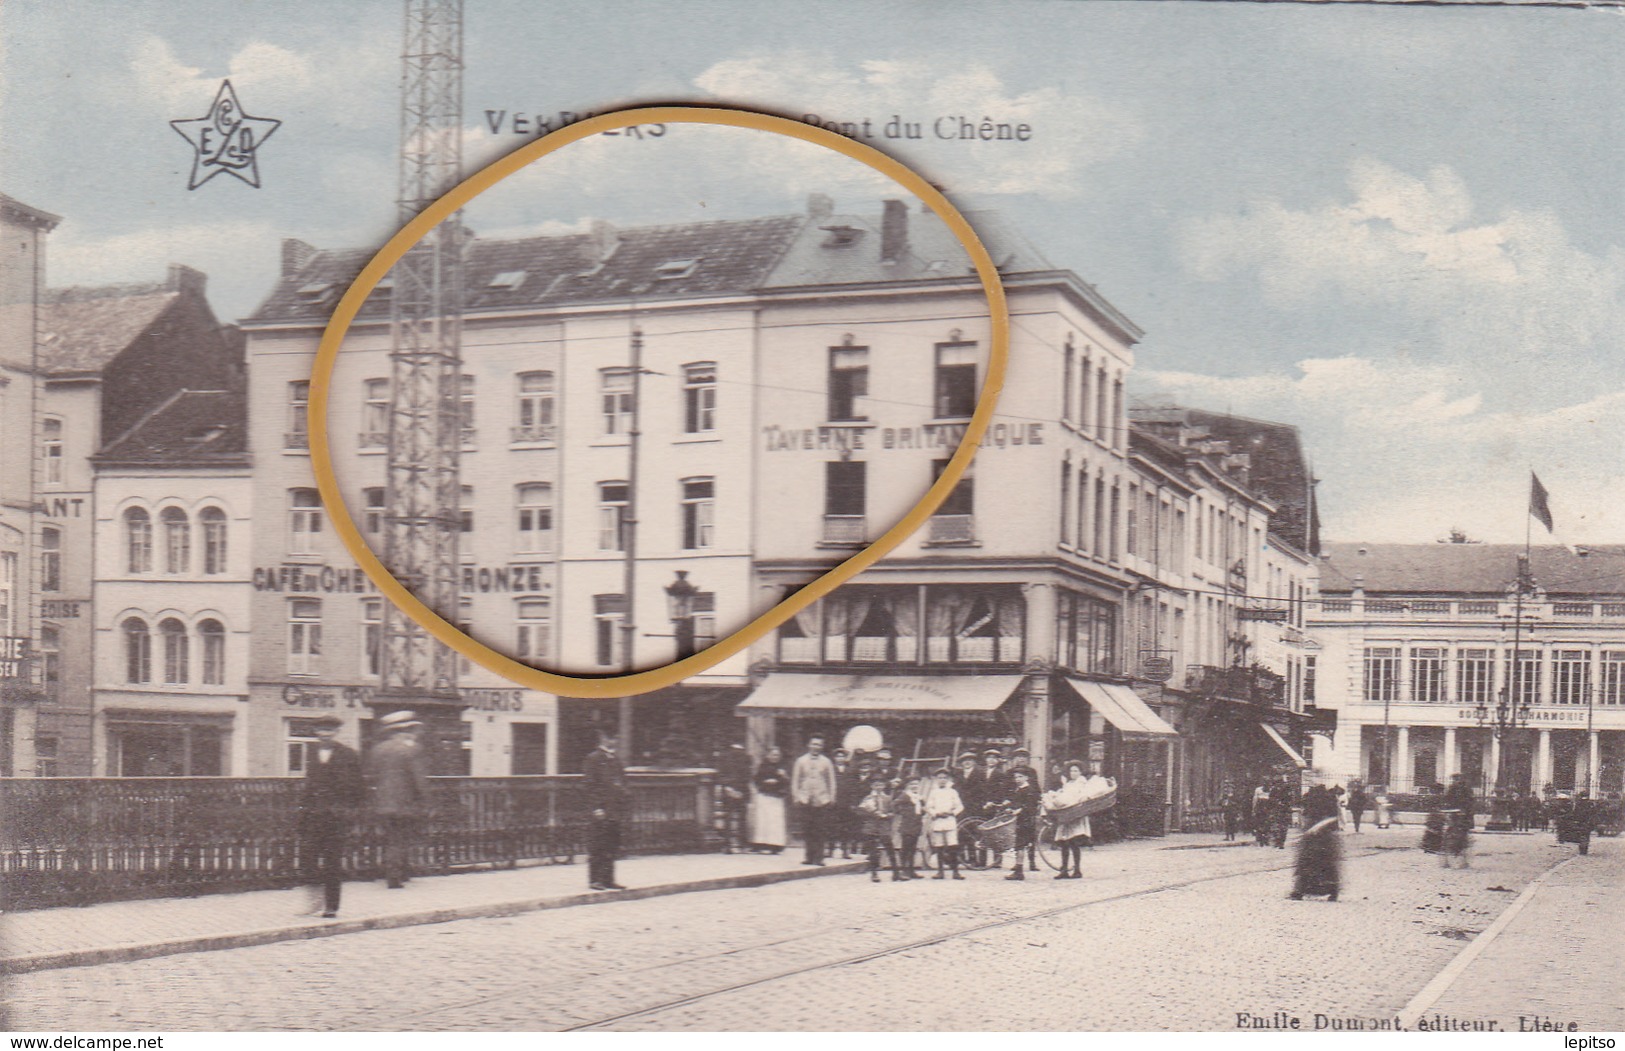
(1070, 132)
(1513, 294)
(1407, 450)
(347, 84)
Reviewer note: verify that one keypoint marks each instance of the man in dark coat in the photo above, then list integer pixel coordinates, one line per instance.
(733, 785)
(397, 772)
(604, 782)
(333, 791)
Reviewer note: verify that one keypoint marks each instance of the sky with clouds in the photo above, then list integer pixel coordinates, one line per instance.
(1398, 228)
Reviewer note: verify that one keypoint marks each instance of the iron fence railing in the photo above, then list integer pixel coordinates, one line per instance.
(74, 841)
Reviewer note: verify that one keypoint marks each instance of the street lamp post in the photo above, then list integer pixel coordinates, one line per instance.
(1512, 703)
(680, 603)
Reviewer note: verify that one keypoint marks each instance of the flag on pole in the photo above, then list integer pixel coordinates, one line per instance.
(1539, 506)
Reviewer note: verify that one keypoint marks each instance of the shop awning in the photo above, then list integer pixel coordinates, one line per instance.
(1291, 753)
(1122, 708)
(794, 694)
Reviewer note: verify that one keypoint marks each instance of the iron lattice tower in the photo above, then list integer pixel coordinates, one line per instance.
(425, 424)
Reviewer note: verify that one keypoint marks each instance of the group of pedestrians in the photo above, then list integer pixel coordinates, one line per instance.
(874, 805)
(393, 780)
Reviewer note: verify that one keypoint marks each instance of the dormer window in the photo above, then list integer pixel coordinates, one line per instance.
(315, 293)
(507, 281)
(673, 269)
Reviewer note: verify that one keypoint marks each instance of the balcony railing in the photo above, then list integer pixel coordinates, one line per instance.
(74, 841)
(543, 432)
(1254, 685)
(953, 529)
(845, 529)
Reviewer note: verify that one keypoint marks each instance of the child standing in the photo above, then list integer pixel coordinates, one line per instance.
(875, 809)
(907, 806)
(1025, 799)
(942, 809)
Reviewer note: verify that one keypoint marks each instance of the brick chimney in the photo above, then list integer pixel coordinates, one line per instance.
(893, 232)
(819, 206)
(603, 239)
(295, 254)
(185, 279)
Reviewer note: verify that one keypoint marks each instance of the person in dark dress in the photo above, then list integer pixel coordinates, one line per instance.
(769, 829)
(1457, 806)
(1281, 800)
(1319, 865)
(603, 781)
(1231, 807)
(332, 793)
(1261, 815)
(1358, 802)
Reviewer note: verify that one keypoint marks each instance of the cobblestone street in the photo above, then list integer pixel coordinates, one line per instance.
(1152, 938)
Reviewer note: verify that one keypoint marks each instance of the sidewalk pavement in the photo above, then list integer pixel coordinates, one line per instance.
(113, 932)
(1555, 961)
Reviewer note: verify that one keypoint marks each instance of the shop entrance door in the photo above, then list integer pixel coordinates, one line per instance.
(529, 748)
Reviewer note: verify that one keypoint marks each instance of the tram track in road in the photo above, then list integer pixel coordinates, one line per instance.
(531, 990)
(921, 943)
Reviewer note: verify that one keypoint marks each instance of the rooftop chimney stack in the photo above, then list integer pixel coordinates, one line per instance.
(894, 232)
(602, 241)
(185, 279)
(295, 254)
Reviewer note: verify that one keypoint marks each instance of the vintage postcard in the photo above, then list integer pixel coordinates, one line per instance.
(1262, 670)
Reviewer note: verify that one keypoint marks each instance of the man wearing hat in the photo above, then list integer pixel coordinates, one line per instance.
(332, 792)
(604, 780)
(1021, 759)
(396, 768)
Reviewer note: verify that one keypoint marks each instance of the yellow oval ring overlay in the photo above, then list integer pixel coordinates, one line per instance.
(654, 678)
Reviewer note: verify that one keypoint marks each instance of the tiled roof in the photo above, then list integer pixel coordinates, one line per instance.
(727, 256)
(932, 253)
(718, 258)
(1481, 569)
(82, 329)
(192, 428)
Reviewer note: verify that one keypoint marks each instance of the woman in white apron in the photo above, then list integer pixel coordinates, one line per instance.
(768, 830)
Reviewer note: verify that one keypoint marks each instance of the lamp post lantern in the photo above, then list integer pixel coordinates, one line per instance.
(680, 602)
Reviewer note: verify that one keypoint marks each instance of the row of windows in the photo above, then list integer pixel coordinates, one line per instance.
(954, 394)
(1094, 403)
(534, 416)
(1422, 675)
(1095, 533)
(176, 537)
(908, 624)
(175, 652)
(533, 515)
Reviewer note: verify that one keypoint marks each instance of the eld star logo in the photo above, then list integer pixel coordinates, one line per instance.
(225, 140)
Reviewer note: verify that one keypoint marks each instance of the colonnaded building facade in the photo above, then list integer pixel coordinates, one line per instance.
(1419, 644)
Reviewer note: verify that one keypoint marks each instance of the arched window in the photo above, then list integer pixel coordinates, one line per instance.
(137, 651)
(177, 540)
(214, 539)
(213, 637)
(534, 502)
(175, 650)
(50, 559)
(138, 540)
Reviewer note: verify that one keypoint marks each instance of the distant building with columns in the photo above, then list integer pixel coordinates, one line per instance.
(1417, 651)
